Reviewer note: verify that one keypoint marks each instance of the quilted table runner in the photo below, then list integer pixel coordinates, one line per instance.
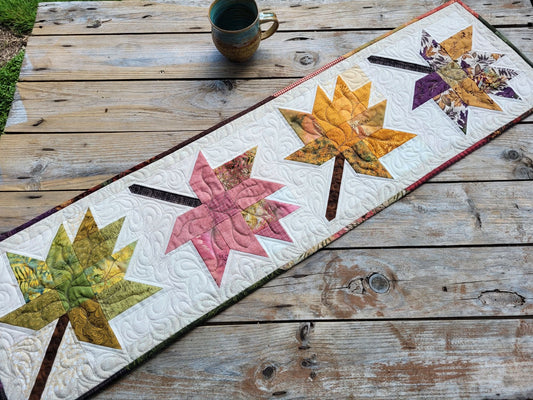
(94, 286)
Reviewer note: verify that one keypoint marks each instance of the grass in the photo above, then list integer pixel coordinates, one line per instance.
(9, 74)
(19, 15)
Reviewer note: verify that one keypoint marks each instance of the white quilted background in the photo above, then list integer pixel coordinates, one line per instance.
(188, 290)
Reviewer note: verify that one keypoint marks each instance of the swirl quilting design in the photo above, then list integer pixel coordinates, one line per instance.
(102, 281)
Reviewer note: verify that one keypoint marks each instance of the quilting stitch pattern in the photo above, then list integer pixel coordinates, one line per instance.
(80, 282)
(344, 128)
(233, 211)
(188, 288)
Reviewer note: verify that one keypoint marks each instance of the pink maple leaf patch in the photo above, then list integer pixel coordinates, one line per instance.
(234, 209)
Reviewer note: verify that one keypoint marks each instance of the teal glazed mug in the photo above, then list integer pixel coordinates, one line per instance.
(235, 27)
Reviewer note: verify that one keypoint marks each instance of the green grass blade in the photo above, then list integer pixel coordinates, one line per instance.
(9, 74)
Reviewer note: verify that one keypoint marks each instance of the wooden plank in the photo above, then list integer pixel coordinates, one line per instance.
(132, 106)
(334, 284)
(17, 208)
(162, 56)
(174, 56)
(450, 215)
(419, 282)
(465, 359)
(76, 161)
(509, 156)
(164, 17)
(81, 160)
(484, 213)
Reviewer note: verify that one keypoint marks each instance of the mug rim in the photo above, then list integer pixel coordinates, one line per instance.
(227, 30)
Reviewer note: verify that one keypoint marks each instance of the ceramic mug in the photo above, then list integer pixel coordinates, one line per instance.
(235, 27)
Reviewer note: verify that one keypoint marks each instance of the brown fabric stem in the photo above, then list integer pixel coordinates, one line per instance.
(49, 357)
(335, 188)
(391, 62)
(165, 196)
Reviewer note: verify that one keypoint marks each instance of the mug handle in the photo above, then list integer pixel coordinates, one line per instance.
(268, 17)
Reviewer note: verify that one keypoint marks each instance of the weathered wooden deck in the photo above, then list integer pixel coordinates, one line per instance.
(109, 84)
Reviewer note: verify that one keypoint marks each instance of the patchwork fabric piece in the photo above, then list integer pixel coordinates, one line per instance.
(81, 282)
(92, 286)
(458, 77)
(233, 210)
(344, 128)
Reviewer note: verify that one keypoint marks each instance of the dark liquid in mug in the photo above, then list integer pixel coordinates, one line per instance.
(235, 17)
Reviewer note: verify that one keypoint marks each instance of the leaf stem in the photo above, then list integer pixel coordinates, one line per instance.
(49, 358)
(335, 187)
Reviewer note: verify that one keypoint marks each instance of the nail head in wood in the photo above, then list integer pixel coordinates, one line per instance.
(378, 283)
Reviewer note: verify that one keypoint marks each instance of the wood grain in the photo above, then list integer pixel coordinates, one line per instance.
(135, 16)
(334, 360)
(150, 56)
(77, 160)
(17, 208)
(133, 106)
(162, 56)
(81, 160)
(450, 215)
(422, 283)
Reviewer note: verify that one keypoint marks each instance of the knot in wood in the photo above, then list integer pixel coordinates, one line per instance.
(92, 24)
(304, 333)
(502, 298)
(305, 330)
(512, 155)
(523, 172)
(356, 286)
(310, 362)
(269, 371)
(306, 58)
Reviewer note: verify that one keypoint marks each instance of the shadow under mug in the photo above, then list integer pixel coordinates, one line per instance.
(235, 27)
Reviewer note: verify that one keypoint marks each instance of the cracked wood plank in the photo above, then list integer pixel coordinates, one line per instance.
(187, 17)
(420, 282)
(467, 359)
(161, 56)
(451, 215)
